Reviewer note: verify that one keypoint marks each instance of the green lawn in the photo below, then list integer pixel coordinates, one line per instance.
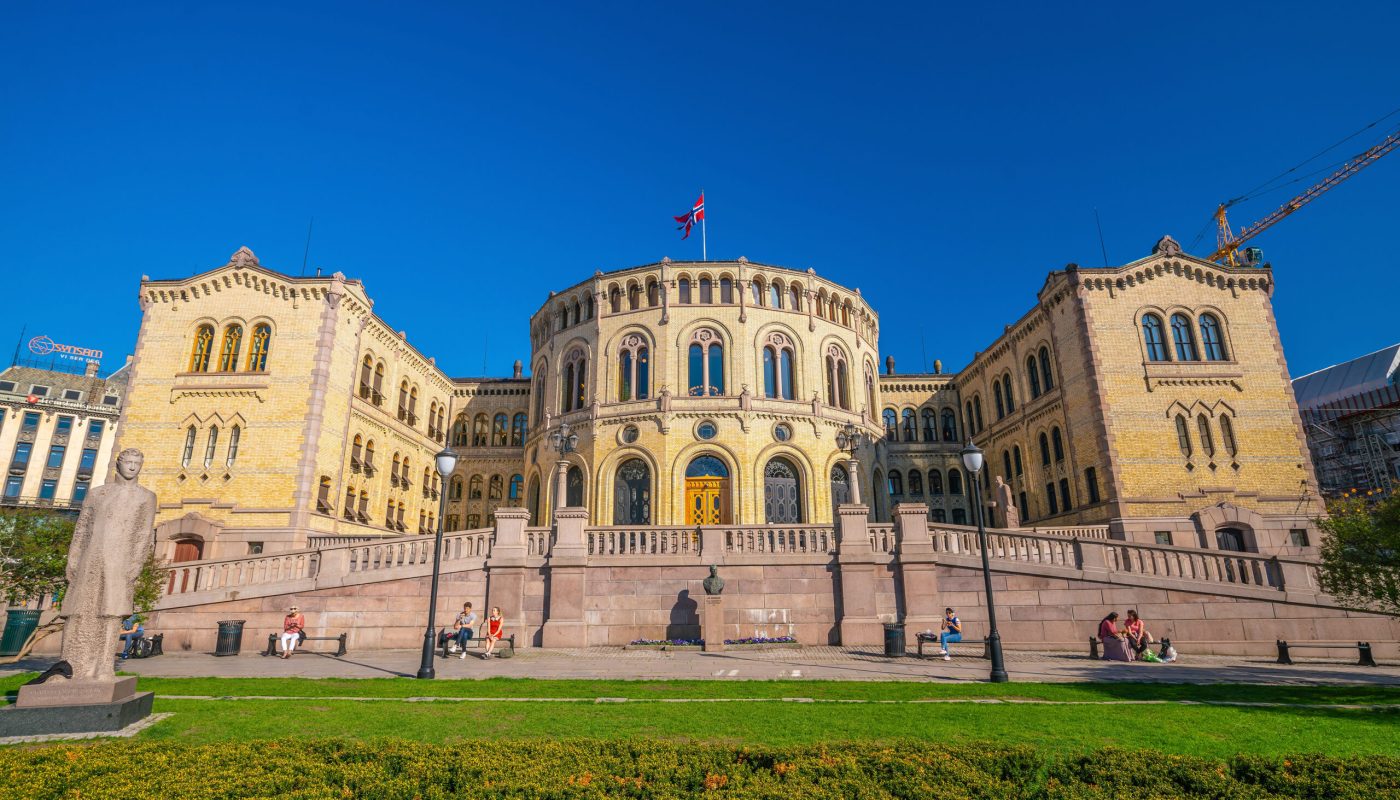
(1205, 730)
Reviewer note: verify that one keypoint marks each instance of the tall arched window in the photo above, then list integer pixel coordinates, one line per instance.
(653, 293)
(955, 481)
(614, 299)
(1006, 390)
(369, 457)
(228, 351)
(454, 488)
(632, 493)
(588, 307)
(574, 388)
(891, 424)
(869, 390)
(757, 285)
(896, 482)
(634, 367)
(413, 406)
(707, 291)
(578, 312)
(634, 297)
(1046, 379)
(517, 485)
(1211, 341)
(910, 424)
(837, 388)
(684, 290)
(461, 431)
(518, 429)
(935, 482)
(950, 425)
(498, 430)
(257, 353)
(378, 393)
(977, 411)
(916, 483)
(474, 488)
(706, 365)
(726, 290)
(188, 452)
(1227, 435)
(1183, 338)
(203, 347)
(480, 431)
(1033, 377)
(1207, 440)
(209, 448)
(233, 438)
(930, 429)
(495, 488)
(538, 392)
(573, 487)
(1183, 435)
(1152, 338)
(367, 377)
(1058, 442)
(775, 295)
(1016, 459)
(971, 423)
(996, 399)
(1006, 464)
(794, 297)
(777, 367)
(1044, 450)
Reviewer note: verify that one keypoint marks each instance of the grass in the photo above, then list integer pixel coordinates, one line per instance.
(1203, 730)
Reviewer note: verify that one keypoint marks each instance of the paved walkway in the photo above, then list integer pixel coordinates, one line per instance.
(814, 663)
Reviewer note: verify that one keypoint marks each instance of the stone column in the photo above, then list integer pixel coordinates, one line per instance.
(506, 572)
(561, 485)
(918, 568)
(853, 471)
(567, 573)
(856, 561)
(712, 623)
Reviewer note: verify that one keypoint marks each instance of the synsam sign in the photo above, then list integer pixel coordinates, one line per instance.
(43, 346)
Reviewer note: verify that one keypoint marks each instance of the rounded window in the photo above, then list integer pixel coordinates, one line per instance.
(706, 430)
(782, 431)
(629, 434)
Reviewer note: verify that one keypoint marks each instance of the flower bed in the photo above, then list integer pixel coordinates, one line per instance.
(390, 769)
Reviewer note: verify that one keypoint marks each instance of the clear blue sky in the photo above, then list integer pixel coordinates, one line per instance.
(463, 160)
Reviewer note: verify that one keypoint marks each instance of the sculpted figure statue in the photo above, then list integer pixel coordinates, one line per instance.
(111, 540)
(1007, 515)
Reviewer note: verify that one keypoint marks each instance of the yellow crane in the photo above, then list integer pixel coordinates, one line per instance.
(1227, 242)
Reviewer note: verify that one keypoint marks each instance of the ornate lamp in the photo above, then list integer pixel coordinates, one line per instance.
(446, 463)
(972, 460)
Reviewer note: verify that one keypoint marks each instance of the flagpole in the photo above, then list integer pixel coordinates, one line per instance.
(704, 247)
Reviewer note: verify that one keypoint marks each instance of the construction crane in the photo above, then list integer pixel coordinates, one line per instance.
(1227, 242)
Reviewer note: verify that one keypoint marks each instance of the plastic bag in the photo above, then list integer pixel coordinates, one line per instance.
(1150, 657)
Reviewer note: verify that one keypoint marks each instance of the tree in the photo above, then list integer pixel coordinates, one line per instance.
(33, 553)
(1361, 553)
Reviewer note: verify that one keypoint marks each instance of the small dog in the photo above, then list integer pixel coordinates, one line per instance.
(1168, 652)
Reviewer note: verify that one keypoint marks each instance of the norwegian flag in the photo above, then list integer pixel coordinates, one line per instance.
(697, 214)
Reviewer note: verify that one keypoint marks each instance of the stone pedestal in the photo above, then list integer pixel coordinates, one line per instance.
(62, 705)
(505, 574)
(712, 623)
(859, 624)
(918, 568)
(59, 691)
(564, 625)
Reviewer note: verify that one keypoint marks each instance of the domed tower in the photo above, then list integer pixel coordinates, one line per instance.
(700, 393)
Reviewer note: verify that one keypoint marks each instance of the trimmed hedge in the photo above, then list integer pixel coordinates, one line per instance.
(393, 769)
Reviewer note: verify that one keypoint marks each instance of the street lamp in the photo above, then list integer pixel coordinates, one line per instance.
(446, 462)
(563, 440)
(972, 460)
(850, 440)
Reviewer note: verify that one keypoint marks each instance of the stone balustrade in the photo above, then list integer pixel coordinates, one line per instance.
(1075, 531)
(231, 573)
(882, 538)
(779, 539)
(642, 541)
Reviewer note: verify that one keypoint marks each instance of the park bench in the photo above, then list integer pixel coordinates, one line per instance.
(444, 638)
(932, 638)
(340, 651)
(1363, 649)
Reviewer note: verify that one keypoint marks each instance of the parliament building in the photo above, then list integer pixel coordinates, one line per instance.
(279, 413)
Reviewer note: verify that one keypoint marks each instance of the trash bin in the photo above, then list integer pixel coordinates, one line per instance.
(19, 624)
(230, 637)
(894, 638)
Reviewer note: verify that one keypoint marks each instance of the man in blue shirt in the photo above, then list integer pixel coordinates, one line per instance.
(951, 632)
(132, 630)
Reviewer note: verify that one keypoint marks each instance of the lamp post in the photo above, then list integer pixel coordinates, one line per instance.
(849, 440)
(446, 462)
(972, 460)
(563, 440)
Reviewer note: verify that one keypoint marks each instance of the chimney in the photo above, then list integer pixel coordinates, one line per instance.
(938, 366)
(889, 365)
(519, 369)
(90, 371)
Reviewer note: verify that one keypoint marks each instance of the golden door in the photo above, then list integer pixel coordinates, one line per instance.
(706, 501)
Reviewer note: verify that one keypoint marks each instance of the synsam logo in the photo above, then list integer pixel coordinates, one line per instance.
(43, 345)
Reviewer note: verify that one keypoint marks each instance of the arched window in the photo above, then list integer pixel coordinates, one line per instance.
(367, 378)
(532, 499)
(1044, 450)
(896, 482)
(869, 390)
(518, 429)
(479, 431)
(977, 411)
(632, 493)
(188, 452)
(578, 312)
(653, 293)
(369, 457)
(498, 430)
(461, 431)
(588, 307)
(634, 297)
(726, 290)
(1183, 435)
(911, 429)
(775, 295)
(257, 353)
(614, 299)
(930, 429)
(846, 314)
(495, 488)
(1046, 379)
(209, 448)
(757, 286)
(707, 291)
(634, 367)
(474, 487)
(1152, 338)
(378, 393)
(413, 406)
(1032, 377)
(996, 397)
(840, 489)
(403, 400)
(777, 367)
(837, 389)
(971, 423)
(454, 488)
(1227, 435)
(1059, 444)
(1183, 338)
(891, 424)
(1016, 459)
(939, 515)
(1006, 390)
(1006, 464)
(950, 425)
(538, 392)
(517, 485)
(1211, 341)
(782, 492)
(794, 297)
(955, 481)
(573, 487)
(684, 290)
(233, 438)
(203, 347)
(706, 365)
(228, 351)
(323, 496)
(935, 482)
(1207, 440)
(575, 385)
(916, 483)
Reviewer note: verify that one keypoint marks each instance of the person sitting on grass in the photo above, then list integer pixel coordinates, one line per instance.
(950, 631)
(292, 626)
(132, 631)
(494, 624)
(1136, 632)
(464, 624)
(1115, 646)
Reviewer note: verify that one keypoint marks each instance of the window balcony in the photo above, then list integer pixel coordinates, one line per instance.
(355, 465)
(394, 479)
(369, 469)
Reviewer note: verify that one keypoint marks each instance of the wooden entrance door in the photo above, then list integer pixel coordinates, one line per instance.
(188, 551)
(706, 501)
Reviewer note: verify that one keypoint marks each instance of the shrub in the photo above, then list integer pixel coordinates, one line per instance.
(389, 769)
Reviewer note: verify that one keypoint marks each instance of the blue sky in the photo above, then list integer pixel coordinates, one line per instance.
(463, 160)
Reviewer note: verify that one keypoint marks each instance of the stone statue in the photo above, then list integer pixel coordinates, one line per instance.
(746, 399)
(714, 584)
(113, 537)
(1007, 515)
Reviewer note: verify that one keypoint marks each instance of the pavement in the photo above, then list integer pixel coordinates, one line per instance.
(807, 663)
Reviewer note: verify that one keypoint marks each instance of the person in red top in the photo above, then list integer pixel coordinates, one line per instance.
(292, 626)
(1136, 633)
(494, 624)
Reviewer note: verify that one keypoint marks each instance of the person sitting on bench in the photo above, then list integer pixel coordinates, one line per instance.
(1115, 647)
(1138, 636)
(132, 631)
(466, 621)
(950, 631)
(494, 624)
(292, 626)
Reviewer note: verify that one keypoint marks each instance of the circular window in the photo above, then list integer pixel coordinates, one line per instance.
(706, 430)
(630, 434)
(782, 431)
